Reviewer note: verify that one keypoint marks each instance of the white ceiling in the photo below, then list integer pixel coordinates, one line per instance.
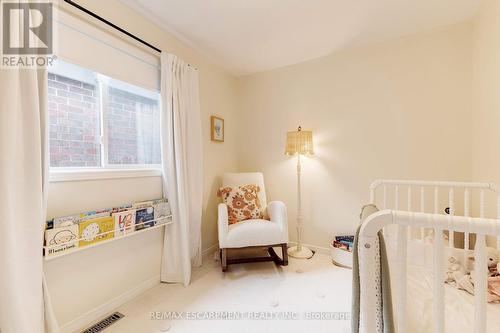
(247, 36)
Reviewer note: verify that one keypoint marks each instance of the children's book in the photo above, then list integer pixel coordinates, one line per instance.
(342, 246)
(90, 230)
(120, 209)
(161, 209)
(348, 239)
(49, 224)
(124, 222)
(142, 204)
(61, 239)
(95, 214)
(64, 221)
(144, 215)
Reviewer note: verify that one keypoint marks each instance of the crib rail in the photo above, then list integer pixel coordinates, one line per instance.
(439, 223)
(436, 187)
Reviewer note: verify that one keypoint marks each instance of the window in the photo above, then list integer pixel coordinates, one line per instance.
(74, 120)
(133, 125)
(96, 122)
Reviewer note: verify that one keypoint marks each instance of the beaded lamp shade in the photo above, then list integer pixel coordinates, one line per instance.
(299, 142)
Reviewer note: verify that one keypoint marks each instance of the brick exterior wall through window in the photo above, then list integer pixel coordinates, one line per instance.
(133, 128)
(74, 116)
(73, 123)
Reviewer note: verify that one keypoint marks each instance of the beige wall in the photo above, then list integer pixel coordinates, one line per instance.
(397, 109)
(486, 92)
(81, 282)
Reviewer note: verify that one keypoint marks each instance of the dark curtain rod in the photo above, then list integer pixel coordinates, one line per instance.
(85, 10)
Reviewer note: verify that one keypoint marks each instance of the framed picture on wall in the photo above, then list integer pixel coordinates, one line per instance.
(217, 129)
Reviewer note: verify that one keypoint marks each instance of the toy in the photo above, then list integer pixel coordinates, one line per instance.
(494, 289)
(455, 268)
(458, 276)
(492, 261)
(494, 286)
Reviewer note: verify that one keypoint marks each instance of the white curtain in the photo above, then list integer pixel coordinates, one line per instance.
(23, 197)
(182, 168)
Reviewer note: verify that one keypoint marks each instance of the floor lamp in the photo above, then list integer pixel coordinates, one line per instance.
(300, 143)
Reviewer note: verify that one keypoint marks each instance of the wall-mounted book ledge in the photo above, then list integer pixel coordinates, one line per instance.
(67, 243)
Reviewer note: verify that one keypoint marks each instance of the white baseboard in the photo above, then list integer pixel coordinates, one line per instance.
(317, 249)
(87, 319)
(210, 250)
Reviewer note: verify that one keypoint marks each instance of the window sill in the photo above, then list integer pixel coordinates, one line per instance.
(68, 175)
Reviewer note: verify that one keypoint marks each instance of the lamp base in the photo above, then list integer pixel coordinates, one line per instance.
(304, 252)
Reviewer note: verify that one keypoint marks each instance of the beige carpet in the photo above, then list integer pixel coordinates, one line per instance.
(305, 296)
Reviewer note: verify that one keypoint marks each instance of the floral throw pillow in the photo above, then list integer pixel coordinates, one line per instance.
(242, 202)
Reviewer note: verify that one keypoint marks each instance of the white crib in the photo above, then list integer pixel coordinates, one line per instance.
(424, 201)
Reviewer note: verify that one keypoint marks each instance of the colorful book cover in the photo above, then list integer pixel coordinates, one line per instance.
(161, 209)
(144, 215)
(341, 245)
(95, 214)
(64, 221)
(61, 239)
(349, 245)
(91, 230)
(349, 239)
(142, 204)
(120, 209)
(124, 222)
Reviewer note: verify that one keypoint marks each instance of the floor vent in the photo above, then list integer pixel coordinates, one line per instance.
(105, 323)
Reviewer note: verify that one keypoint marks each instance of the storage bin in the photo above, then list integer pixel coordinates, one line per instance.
(341, 257)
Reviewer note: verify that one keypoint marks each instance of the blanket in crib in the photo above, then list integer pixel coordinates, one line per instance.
(384, 312)
(466, 282)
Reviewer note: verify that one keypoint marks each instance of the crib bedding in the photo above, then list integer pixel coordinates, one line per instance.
(459, 306)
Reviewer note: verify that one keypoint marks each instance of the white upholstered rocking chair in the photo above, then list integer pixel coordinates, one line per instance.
(255, 232)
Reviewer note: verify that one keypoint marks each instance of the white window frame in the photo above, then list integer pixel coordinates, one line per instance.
(106, 170)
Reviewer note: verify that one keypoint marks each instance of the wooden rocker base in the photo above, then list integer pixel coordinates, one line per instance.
(272, 256)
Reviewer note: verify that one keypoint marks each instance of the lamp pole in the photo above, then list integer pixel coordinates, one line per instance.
(299, 251)
(299, 206)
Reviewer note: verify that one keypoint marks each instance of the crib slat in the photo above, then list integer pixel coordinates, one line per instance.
(408, 231)
(422, 209)
(409, 198)
(372, 195)
(422, 199)
(481, 204)
(451, 205)
(402, 277)
(480, 285)
(451, 201)
(466, 202)
(467, 214)
(396, 197)
(438, 285)
(384, 188)
(385, 230)
(436, 200)
(393, 231)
